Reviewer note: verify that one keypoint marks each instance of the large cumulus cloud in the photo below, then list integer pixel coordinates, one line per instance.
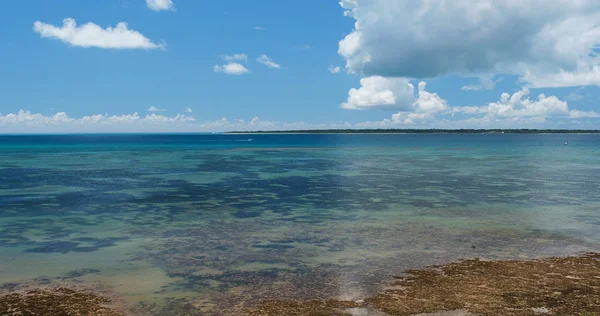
(547, 43)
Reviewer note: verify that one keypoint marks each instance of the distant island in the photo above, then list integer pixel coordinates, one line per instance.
(423, 131)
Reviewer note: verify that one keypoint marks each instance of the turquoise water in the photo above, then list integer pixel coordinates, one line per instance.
(209, 224)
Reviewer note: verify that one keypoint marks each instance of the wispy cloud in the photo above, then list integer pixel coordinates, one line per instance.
(267, 61)
(188, 110)
(575, 95)
(472, 87)
(260, 28)
(334, 70)
(485, 83)
(155, 109)
(92, 35)
(235, 57)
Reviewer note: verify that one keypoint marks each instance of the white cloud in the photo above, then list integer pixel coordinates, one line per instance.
(587, 73)
(381, 94)
(179, 118)
(472, 87)
(469, 109)
(430, 110)
(27, 118)
(400, 120)
(393, 94)
(551, 47)
(428, 102)
(225, 124)
(155, 109)
(256, 123)
(423, 120)
(519, 105)
(267, 61)
(582, 114)
(574, 96)
(334, 70)
(231, 69)
(260, 28)
(411, 118)
(188, 110)
(235, 57)
(25, 121)
(159, 5)
(92, 35)
(113, 119)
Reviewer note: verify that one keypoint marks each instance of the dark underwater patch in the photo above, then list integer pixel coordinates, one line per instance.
(54, 246)
(84, 244)
(78, 273)
(275, 246)
(246, 214)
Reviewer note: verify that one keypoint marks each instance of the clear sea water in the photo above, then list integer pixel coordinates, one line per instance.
(209, 224)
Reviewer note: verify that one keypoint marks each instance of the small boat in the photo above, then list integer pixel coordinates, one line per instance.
(567, 142)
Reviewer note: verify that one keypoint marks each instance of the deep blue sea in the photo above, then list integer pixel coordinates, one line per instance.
(207, 224)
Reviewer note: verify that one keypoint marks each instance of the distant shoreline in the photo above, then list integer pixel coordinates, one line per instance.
(319, 131)
(422, 131)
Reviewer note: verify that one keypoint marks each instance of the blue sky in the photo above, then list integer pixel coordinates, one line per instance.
(176, 64)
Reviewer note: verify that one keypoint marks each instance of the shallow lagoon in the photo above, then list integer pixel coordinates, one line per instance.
(185, 224)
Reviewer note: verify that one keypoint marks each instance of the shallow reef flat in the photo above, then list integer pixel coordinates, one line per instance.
(213, 226)
(553, 286)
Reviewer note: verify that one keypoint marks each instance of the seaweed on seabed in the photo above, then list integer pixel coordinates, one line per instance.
(563, 286)
(61, 301)
(309, 308)
(555, 286)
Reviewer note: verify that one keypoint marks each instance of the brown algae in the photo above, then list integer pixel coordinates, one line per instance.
(554, 286)
(312, 308)
(59, 301)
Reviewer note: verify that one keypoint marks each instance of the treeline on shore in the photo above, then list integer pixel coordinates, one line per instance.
(423, 131)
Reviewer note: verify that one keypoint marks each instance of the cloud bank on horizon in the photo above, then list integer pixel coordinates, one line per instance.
(27, 122)
(394, 49)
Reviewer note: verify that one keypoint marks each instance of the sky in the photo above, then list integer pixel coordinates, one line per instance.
(71, 66)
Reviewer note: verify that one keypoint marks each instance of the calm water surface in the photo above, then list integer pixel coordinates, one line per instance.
(207, 224)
